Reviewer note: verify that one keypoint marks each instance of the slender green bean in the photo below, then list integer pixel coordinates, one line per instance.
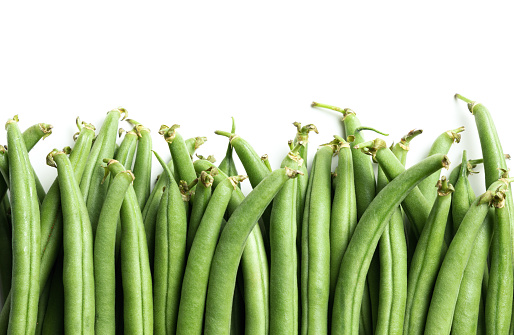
(5, 254)
(25, 235)
(283, 265)
(135, 265)
(498, 305)
(104, 253)
(78, 270)
(143, 164)
(170, 255)
(426, 261)
(441, 145)
(202, 196)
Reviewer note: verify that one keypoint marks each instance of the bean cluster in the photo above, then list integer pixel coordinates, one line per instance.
(316, 251)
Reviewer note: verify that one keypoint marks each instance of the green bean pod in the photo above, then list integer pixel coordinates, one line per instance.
(316, 245)
(283, 265)
(93, 190)
(256, 170)
(193, 143)
(31, 136)
(170, 256)
(150, 211)
(302, 135)
(230, 247)
(465, 319)
(356, 260)
(135, 265)
(498, 306)
(196, 274)
(343, 219)
(202, 196)
(441, 145)
(104, 253)
(25, 235)
(179, 152)
(463, 196)
(426, 261)
(78, 273)
(467, 307)
(446, 289)
(126, 151)
(143, 163)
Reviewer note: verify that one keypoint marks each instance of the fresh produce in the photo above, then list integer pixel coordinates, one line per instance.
(335, 246)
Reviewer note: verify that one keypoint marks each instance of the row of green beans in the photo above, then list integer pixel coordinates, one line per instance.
(335, 246)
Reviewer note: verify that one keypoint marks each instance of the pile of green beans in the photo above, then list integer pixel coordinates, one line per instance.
(336, 246)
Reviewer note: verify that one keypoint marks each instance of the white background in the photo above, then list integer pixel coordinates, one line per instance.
(196, 63)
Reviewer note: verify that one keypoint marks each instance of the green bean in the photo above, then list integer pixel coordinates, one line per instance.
(283, 265)
(426, 261)
(303, 136)
(170, 255)
(441, 145)
(179, 152)
(78, 274)
(467, 307)
(230, 247)
(356, 260)
(143, 164)
(196, 275)
(343, 219)
(228, 165)
(256, 170)
(193, 143)
(265, 160)
(202, 196)
(35, 133)
(31, 136)
(463, 196)
(93, 190)
(135, 266)
(316, 245)
(448, 281)
(498, 306)
(104, 253)
(127, 149)
(5, 254)
(53, 322)
(25, 235)
(254, 166)
(150, 210)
